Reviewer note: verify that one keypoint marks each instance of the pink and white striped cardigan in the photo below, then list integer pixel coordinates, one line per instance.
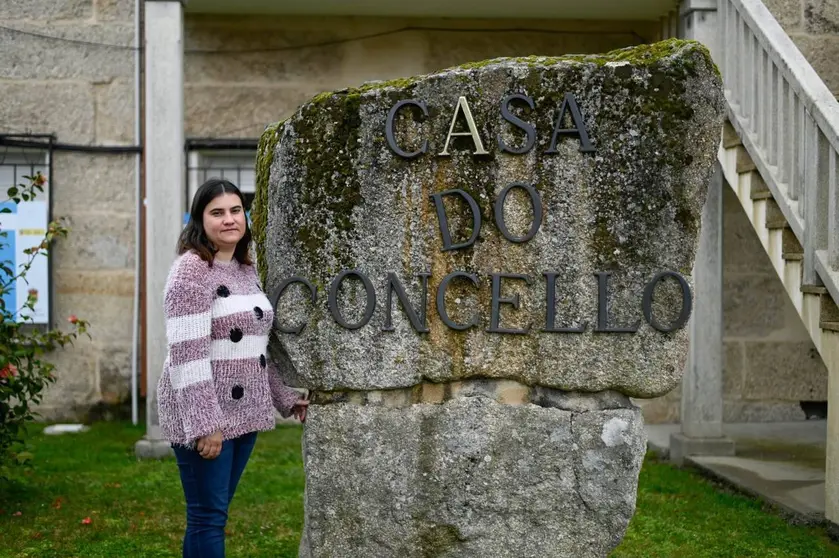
(217, 375)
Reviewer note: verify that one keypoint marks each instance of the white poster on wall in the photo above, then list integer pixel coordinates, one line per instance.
(24, 227)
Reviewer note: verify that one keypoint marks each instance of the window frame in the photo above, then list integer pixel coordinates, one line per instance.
(40, 158)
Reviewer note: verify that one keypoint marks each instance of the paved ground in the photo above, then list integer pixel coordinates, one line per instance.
(781, 462)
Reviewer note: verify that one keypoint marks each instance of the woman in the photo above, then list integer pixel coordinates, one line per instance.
(218, 387)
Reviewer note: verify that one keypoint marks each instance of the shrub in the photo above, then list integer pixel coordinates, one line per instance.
(24, 374)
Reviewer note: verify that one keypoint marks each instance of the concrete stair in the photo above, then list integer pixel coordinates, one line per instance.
(815, 306)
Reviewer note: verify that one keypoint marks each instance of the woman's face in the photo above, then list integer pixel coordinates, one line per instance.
(224, 221)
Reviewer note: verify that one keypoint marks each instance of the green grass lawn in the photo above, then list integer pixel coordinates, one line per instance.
(87, 496)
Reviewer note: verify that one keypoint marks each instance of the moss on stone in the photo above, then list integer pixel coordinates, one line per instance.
(259, 210)
(640, 55)
(438, 540)
(329, 188)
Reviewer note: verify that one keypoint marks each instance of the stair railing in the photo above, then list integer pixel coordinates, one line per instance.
(788, 120)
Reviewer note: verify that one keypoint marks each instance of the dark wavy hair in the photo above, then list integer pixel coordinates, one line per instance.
(193, 236)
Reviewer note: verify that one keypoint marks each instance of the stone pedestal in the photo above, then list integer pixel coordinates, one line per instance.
(473, 271)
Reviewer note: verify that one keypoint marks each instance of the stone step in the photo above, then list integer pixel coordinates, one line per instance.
(744, 160)
(774, 216)
(791, 249)
(758, 189)
(729, 136)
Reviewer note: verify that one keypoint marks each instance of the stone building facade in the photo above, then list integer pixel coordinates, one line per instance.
(70, 68)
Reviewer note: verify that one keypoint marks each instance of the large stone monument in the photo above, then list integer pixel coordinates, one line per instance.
(473, 271)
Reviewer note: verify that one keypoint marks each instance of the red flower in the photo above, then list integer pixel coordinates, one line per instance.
(8, 371)
(86, 521)
(73, 319)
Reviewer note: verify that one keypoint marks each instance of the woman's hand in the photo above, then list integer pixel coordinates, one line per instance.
(300, 408)
(210, 446)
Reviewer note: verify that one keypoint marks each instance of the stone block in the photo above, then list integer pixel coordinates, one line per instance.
(114, 10)
(30, 57)
(115, 111)
(98, 282)
(596, 217)
(660, 410)
(317, 64)
(65, 109)
(93, 182)
(432, 393)
(240, 111)
(791, 371)
(762, 411)
(512, 393)
(438, 480)
(110, 317)
(96, 241)
(732, 369)
(115, 374)
(383, 58)
(821, 16)
(741, 248)
(787, 12)
(753, 305)
(42, 10)
(76, 382)
(821, 52)
(682, 446)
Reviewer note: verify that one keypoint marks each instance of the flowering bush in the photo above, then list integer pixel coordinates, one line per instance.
(23, 372)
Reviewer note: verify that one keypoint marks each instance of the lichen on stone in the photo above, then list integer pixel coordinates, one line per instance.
(259, 209)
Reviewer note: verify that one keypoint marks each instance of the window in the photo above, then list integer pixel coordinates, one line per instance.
(24, 225)
(237, 166)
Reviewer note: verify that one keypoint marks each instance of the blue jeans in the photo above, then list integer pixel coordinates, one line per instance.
(209, 485)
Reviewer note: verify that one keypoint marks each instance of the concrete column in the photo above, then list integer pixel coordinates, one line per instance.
(699, 22)
(164, 206)
(702, 406)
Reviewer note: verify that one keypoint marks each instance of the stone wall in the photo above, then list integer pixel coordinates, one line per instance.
(84, 94)
(814, 27)
(237, 95)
